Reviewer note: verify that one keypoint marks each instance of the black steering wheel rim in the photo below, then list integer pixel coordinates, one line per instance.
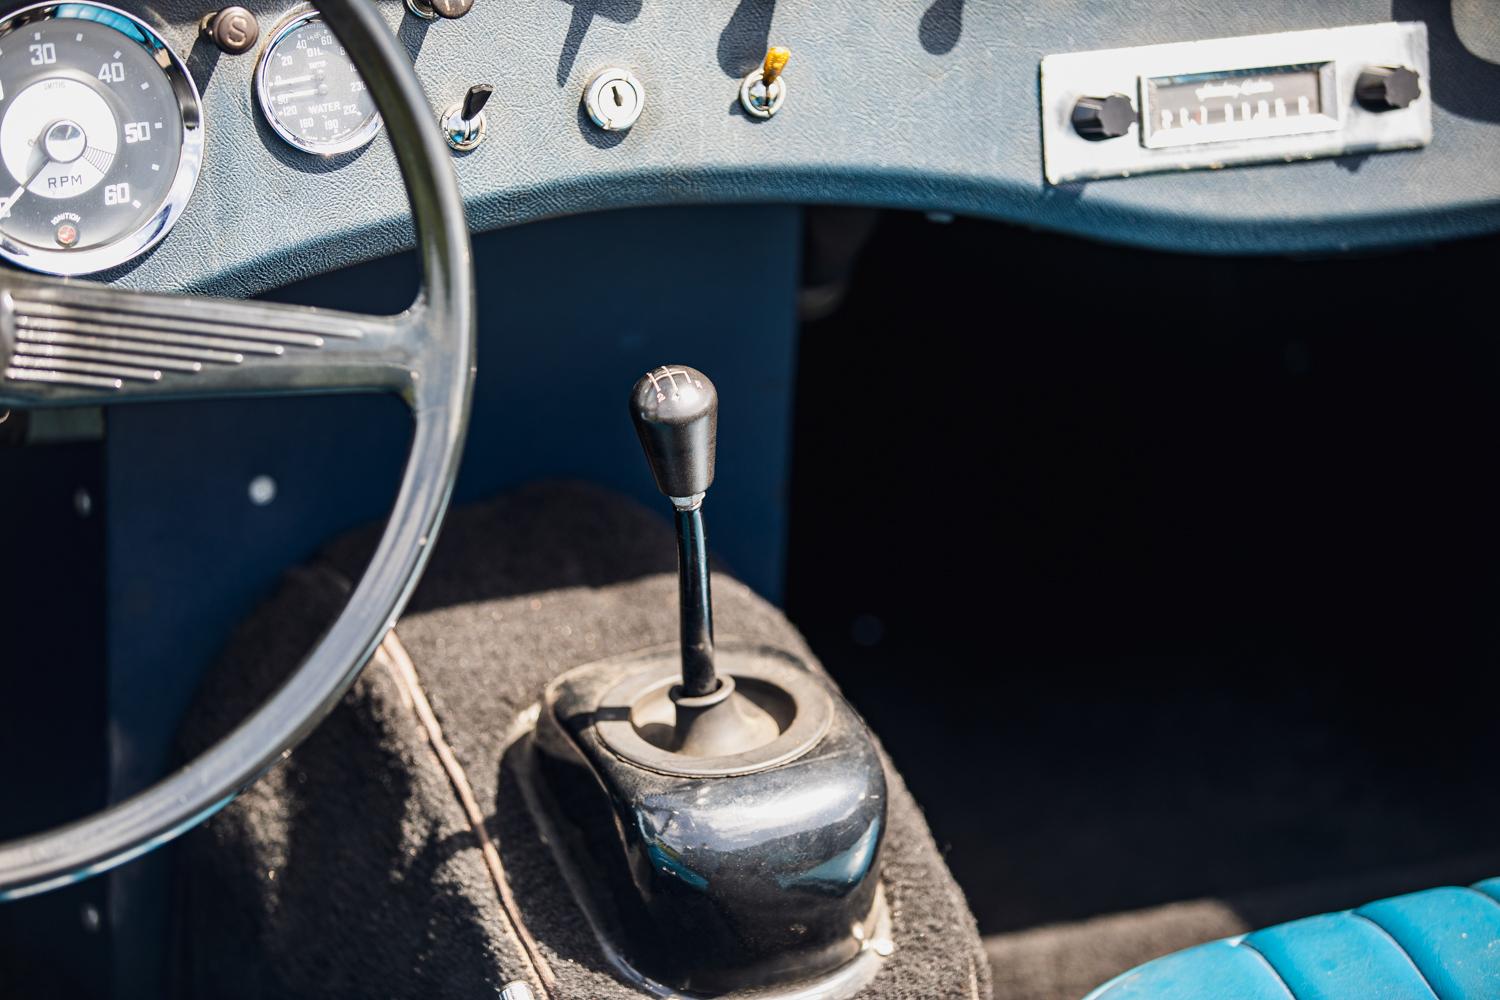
(438, 390)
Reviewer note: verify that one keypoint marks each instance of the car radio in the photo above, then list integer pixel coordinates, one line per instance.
(1295, 95)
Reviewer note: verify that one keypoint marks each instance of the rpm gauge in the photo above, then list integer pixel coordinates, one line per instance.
(101, 137)
(310, 92)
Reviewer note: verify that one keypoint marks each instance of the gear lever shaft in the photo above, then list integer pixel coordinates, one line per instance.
(676, 412)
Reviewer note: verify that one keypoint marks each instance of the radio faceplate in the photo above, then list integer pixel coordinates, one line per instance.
(1288, 96)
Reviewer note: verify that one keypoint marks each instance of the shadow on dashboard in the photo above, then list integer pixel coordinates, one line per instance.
(584, 12)
(743, 42)
(1463, 82)
(941, 26)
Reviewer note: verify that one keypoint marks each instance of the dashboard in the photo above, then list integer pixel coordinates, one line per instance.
(232, 172)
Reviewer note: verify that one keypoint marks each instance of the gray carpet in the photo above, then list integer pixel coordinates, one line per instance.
(349, 870)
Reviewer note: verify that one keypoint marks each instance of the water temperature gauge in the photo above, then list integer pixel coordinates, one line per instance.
(310, 92)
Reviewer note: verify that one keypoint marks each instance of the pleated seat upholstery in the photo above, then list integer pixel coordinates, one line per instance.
(1439, 944)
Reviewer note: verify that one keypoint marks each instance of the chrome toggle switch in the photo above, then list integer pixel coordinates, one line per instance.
(463, 122)
(763, 91)
(614, 99)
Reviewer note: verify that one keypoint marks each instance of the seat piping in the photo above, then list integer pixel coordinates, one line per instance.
(1401, 948)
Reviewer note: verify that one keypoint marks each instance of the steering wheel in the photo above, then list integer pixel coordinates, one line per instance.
(425, 354)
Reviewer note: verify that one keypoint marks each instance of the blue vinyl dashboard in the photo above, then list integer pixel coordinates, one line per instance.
(930, 105)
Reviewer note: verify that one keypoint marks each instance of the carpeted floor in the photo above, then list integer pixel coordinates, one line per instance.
(349, 870)
(1087, 823)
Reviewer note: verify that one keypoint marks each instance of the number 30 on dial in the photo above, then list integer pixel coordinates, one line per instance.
(101, 137)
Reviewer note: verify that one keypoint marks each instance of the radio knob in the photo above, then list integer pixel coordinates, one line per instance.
(1097, 118)
(1387, 88)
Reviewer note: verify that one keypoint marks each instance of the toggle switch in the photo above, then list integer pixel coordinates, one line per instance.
(763, 91)
(614, 99)
(463, 121)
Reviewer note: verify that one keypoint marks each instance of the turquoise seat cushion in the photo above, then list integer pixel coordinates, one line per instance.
(1440, 944)
(1339, 956)
(1221, 969)
(1452, 935)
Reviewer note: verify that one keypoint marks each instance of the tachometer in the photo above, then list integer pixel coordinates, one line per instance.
(310, 92)
(101, 137)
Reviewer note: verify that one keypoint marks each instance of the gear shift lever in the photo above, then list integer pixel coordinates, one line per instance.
(676, 414)
(718, 800)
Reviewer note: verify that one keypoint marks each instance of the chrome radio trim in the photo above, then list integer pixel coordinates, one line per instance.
(1344, 52)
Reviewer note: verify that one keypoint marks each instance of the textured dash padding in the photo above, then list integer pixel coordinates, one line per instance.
(379, 889)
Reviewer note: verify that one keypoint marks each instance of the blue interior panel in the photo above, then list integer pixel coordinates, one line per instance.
(571, 313)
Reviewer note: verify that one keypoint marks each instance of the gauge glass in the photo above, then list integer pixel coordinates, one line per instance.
(1261, 103)
(310, 92)
(101, 137)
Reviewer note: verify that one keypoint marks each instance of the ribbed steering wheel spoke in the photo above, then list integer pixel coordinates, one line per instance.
(72, 343)
(177, 347)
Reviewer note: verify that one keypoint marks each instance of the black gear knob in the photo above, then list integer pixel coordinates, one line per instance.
(676, 413)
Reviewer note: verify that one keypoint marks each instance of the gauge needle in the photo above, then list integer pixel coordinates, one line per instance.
(6, 203)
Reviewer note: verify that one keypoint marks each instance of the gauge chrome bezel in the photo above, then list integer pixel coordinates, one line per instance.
(68, 263)
(291, 21)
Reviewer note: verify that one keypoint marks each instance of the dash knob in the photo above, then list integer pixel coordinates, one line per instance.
(1097, 118)
(1387, 88)
(431, 10)
(234, 29)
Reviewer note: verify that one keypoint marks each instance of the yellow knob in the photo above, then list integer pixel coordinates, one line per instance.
(774, 64)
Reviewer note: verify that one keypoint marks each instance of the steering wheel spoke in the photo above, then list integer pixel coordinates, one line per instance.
(72, 343)
(179, 347)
